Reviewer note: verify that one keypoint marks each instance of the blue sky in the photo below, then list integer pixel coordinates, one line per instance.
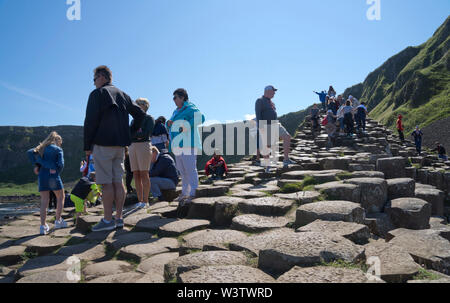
(224, 52)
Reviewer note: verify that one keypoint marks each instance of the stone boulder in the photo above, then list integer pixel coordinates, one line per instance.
(334, 163)
(379, 224)
(401, 188)
(225, 274)
(433, 196)
(307, 249)
(329, 211)
(411, 213)
(255, 223)
(323, 274)
(392, 167)
(355, 232)
(267, 206)
(210, 239)
(225, 210)
(340, 191)
(374, 192)
(395, 263)
(301, 197)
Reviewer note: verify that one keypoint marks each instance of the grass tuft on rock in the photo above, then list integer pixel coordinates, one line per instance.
(423, 274)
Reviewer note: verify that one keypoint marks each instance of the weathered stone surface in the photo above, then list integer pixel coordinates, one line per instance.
(396, 265)
(307, 249)
(436, 179)
(379, 224)
(134, 219)
(209, 258)
(329, 211)
(244, 194)
(117, 242)
(84, 251)
(340, 191)
(155, 264)
(179, 227)
(425, 246)
(85, 223)
(43, 245)
(129, 277)
(202, 208)
(392, 167)
(373, 193)
(355, 232)
(151, 278)
(107, 268)
(13, 232)
(301, 197)
(153, 225)
(44, 264)
(211, 191)
(433, 196)
(210, 239)
(366, 174)
(256, 223)
(323, 274)
(411, 213)
(148, 248)
(361, 167)
(267, 206)
(57, 276)
(255, 243)
(297, 175)
(334, 163)
(11, 255)
(225, 274)
(401, 188)
(225, 210)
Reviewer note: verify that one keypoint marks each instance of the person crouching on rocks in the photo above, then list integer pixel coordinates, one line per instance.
(85, 190)
(441, 152)
(49, 155)
(216, 167)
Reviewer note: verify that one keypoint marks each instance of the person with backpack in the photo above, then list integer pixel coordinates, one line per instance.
(360, 117)
(140, 154)
(86, 190)
(400, 128)
(160, 135)
(315, 117)
(348, 118)
(50, 159)
(417, 134)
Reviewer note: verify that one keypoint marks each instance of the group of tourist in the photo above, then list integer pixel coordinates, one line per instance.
(143, 147)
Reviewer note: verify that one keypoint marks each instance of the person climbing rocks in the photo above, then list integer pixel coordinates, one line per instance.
(322, 98)
(348, 118)
(360, 117)
(417, 134)
(400, 128)
(315, 117)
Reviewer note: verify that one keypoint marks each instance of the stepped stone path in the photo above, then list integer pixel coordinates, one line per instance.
(366, 210)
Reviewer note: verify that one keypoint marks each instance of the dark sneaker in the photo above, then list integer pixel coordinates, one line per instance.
(102, 226)
(119, 223)
(183, 209)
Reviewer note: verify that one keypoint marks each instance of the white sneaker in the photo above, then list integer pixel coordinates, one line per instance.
(60, 224)
(140, 205)
(44, 229)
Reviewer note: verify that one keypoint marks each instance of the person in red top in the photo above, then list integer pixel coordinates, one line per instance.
(400, 128)
(216, 167)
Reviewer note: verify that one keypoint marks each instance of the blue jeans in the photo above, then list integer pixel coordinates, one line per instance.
(158, 184)
(341, 123)
(443, 157)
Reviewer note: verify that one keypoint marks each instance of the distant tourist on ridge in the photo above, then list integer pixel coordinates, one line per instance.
(331, 92)
(315, 117)
(400, 128)
(140, 153)
(348, 118)
(442, 154)
(266, 111)
(106, 133)
(360, 117)
(322, 98)
(50, 159)
(417, 134)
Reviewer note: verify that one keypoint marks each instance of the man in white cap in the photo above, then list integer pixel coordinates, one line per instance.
(266, 111)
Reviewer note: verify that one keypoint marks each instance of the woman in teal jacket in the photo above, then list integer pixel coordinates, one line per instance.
(185, 142)
(49, 160)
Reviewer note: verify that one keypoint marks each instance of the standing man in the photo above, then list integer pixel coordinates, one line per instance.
(417, 134)
(106, 134)
(400, 128)
(266, 111)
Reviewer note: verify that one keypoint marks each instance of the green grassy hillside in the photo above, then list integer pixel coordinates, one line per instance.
(414, 83)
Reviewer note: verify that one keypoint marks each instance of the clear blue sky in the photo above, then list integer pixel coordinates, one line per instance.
(224, 52)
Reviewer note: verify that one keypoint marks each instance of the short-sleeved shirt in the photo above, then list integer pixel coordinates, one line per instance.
(265, 110)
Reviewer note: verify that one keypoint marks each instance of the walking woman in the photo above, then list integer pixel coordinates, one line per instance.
(140, 154)
(185, 143)
(49, 160)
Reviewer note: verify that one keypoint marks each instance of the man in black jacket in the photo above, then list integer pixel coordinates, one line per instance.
(106, 133)
(163, 174)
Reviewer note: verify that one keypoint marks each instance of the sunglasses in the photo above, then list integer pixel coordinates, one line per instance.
(174, 98)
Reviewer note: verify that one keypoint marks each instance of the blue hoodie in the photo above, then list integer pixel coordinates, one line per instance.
(187, 113)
